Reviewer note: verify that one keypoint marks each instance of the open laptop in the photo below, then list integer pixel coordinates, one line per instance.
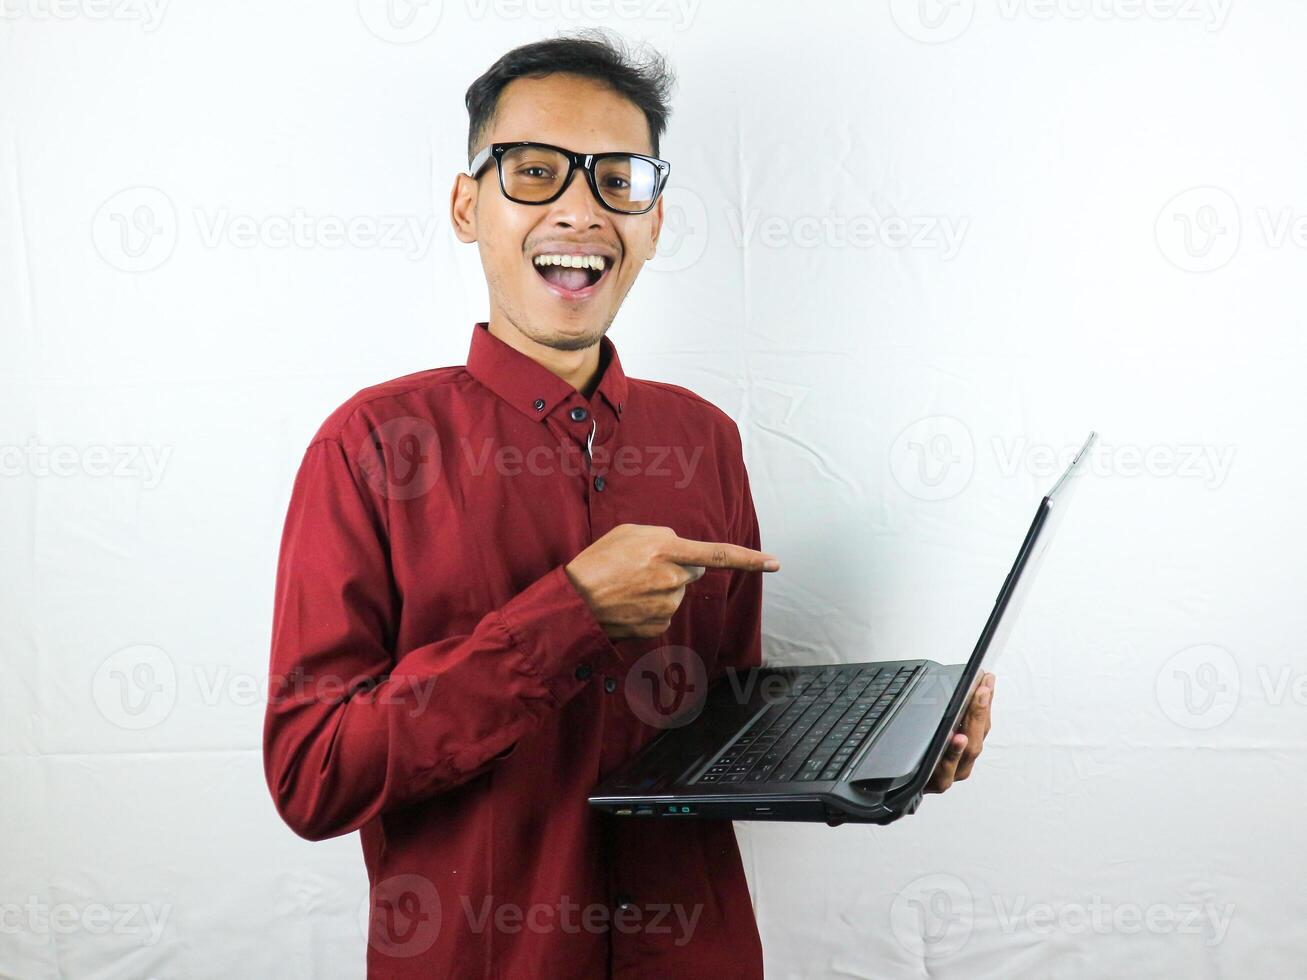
(836, 743)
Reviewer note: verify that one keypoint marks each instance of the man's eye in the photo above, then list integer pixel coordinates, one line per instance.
(617, 183)
(536, 173)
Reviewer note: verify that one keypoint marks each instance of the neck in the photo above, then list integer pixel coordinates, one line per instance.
(579, 368)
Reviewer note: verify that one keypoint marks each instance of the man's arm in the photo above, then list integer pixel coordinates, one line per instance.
(352, 730)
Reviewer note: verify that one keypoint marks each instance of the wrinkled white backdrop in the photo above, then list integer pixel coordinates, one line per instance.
(917, 250)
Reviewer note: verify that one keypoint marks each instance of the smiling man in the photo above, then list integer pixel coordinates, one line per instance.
(491, 576)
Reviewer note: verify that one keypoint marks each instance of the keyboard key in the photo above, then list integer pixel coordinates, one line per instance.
(786, 770)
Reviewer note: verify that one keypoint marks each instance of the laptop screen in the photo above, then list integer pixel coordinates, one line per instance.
(1011, 597)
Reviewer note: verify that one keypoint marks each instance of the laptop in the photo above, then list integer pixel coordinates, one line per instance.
(836, 743)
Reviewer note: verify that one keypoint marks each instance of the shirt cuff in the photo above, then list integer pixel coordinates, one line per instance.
(557, 633)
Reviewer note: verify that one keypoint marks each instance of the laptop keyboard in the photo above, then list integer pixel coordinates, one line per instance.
(814, 732)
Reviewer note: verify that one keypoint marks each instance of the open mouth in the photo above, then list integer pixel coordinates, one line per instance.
(572, 276)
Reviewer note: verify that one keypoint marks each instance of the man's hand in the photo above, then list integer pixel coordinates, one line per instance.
(634, 577)
(967, 743)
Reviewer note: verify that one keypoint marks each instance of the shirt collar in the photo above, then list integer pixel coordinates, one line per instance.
(531, 388)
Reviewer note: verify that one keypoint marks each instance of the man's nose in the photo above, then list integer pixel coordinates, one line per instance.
(577, 207)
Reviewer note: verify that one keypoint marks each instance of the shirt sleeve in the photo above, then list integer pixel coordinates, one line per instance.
(742, 631)
(352, 729)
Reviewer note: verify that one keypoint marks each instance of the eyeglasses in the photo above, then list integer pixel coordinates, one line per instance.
(537, 173)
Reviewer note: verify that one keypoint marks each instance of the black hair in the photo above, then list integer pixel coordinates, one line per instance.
(646, 81)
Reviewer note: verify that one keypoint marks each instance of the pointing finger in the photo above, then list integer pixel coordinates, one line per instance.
(720, 555)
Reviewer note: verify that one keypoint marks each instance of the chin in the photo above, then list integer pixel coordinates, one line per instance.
(570, 336)
(566, 341)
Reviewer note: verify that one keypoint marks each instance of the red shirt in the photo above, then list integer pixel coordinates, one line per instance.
(439, 685)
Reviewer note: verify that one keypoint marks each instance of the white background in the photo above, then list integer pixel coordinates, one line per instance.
(1105, 211)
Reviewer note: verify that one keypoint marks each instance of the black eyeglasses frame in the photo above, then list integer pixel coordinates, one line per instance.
(582, 161)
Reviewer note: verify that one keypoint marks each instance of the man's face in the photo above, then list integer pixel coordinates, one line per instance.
(584, 116)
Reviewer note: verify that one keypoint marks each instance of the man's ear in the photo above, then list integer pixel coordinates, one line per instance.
(655, 228)
(463, 208)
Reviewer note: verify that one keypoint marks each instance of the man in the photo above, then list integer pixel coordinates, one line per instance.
(477, 559)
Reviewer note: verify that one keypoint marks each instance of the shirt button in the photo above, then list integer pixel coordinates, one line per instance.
(624, 901)
(610, 684)
(583, 672)
(540, 404)
(579, 414)
(599, 483)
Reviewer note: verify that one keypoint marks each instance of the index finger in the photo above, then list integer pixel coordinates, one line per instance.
(712, 554)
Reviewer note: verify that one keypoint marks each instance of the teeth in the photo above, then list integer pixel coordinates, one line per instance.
(595, 262)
